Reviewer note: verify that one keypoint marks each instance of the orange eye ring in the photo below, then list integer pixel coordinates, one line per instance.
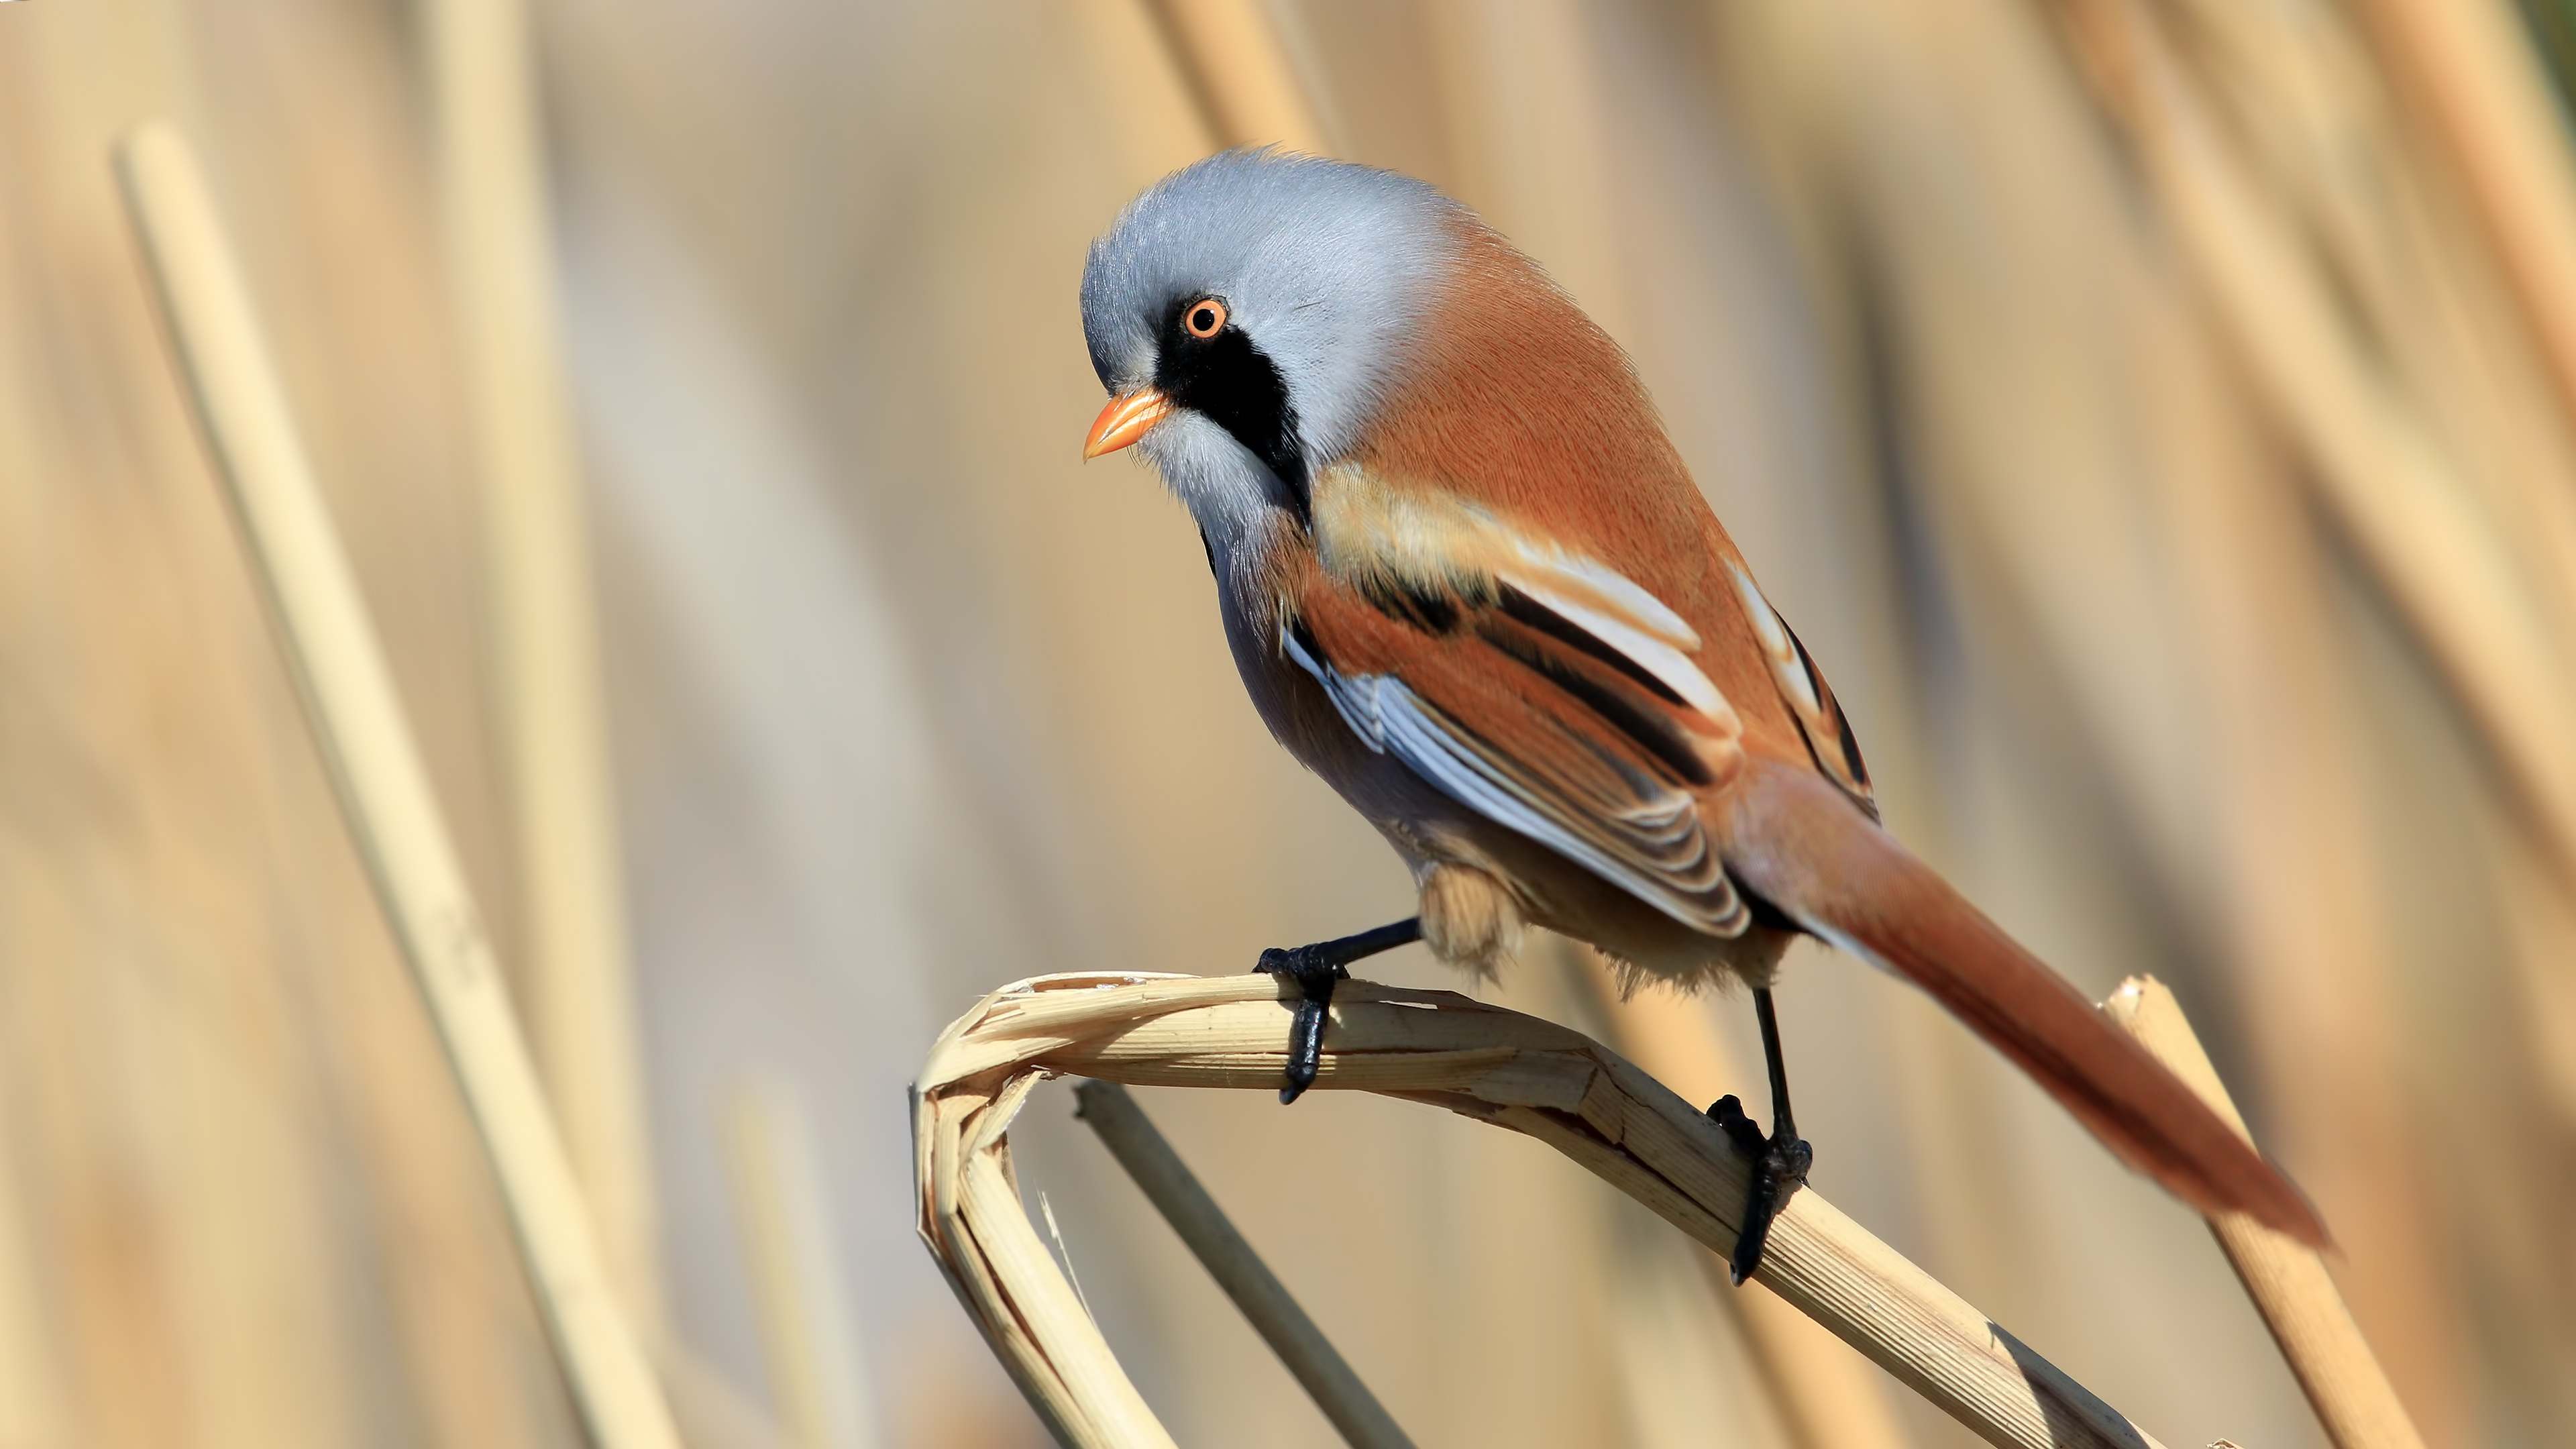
(1203, 318)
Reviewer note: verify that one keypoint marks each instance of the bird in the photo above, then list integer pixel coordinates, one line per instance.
(1469, 582)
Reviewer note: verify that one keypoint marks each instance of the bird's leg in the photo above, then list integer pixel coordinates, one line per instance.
(1780, 1161)
(1315, 969)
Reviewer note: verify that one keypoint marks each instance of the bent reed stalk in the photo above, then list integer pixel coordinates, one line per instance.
(1440, 1049)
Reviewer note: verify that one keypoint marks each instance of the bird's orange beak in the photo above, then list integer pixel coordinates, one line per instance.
(1125, 420)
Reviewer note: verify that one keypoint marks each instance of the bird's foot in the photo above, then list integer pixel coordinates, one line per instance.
(1315, 971)
(1780, 1163)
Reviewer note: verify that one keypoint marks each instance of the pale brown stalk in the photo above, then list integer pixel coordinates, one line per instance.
(2287, 1280)
(375, 766)
(1441, 1049)
(808, 1344)
(1830, 1396)
(571, 946)
(2380, 468)
(2466, 66)
(1212, 1238)
(1237, 65)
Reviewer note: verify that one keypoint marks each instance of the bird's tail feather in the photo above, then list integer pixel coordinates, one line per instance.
(1824, 865)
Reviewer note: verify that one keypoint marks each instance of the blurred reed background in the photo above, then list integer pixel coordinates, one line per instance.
(2159, 416)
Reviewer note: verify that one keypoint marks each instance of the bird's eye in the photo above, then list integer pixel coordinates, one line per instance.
(1205, 318)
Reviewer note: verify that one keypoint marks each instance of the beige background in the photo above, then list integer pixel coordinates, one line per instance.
(906, 702)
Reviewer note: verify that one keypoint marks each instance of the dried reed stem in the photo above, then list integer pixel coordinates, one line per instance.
(1830, 1397)
(1239, 70)
(571, 944)
(1265, 1302)
(1440, 1049)
(358, 723)
(2473, 72)
(2287, 1280)
(2448, 567)
(817, 1384)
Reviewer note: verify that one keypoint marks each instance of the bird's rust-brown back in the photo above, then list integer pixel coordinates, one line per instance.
(1516, 402)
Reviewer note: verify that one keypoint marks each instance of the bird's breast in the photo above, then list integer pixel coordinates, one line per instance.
(1258, 587)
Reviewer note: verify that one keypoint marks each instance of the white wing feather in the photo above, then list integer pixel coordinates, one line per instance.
(1391, 719)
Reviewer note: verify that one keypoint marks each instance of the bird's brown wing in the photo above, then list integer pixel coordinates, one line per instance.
(1527, 718)
(1542, 718)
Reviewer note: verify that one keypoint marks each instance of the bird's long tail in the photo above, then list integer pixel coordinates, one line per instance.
(1806, 850)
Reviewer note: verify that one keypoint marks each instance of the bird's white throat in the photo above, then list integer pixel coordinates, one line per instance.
(1226, 489)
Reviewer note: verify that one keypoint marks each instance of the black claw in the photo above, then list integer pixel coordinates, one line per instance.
(1315, 975)
(1780, 1160)
(1778, 1172)
(1316, 969)
(1728, 1113)
(1780, 1164)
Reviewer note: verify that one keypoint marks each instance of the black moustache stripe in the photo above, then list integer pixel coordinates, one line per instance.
(1232, 383)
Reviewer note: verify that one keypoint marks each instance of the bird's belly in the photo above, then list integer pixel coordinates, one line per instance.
(1646, 943)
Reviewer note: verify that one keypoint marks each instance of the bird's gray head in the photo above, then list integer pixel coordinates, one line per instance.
(1268, 299)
